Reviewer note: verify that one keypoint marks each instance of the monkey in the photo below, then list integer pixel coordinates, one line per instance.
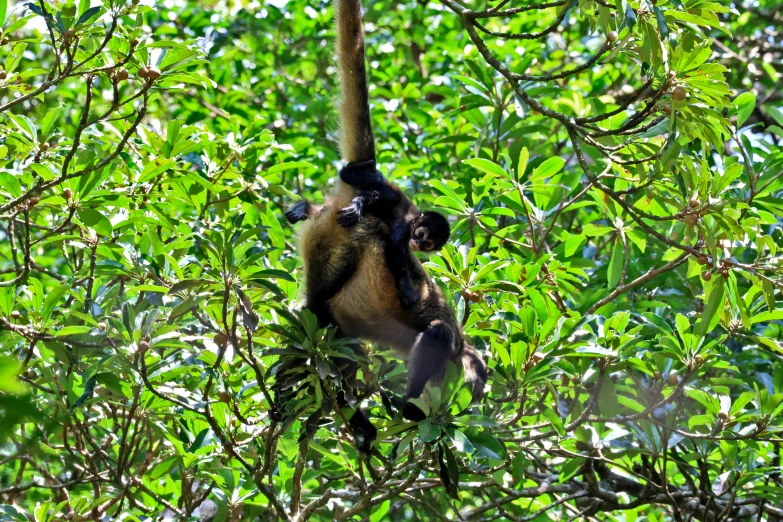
(347, 279)
(411, 229)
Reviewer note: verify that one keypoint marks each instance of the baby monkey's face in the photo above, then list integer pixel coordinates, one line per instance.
(429, 233)
(420, 241)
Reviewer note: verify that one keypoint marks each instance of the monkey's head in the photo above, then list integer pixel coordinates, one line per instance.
(429, 232)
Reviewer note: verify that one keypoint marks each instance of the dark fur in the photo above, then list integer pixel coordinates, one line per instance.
(384, 200)
(438, 227)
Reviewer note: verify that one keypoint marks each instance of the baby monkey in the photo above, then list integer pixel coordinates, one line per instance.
(410, 228)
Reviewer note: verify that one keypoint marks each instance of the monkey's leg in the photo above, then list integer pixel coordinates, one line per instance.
(396, 253)
(428, 358)
(324, 280)
(298, 212)
(362, 428)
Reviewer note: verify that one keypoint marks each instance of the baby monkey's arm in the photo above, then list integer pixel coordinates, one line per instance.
(379, 198)
(397, 257)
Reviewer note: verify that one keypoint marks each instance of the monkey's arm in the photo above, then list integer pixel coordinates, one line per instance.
(397, 257)
(375, 201)
(324, 280)
(428, 357)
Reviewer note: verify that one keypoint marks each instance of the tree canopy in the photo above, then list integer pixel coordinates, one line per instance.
(614, 177)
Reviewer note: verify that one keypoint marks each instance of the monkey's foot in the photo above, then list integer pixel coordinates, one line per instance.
(363, 430)
(298, 212)
(348, 216)
(413, 413)
(408, 297)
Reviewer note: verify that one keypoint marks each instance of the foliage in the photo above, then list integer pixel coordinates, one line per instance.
(614, 175)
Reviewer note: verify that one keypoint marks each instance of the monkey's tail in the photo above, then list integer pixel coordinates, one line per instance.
(475, 370)
(356, 140)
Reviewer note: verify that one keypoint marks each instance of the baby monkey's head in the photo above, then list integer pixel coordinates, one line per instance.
(429, 232)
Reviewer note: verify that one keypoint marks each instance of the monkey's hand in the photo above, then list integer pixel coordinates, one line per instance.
(349, 216)
(408, 296)
(298, 212)
(412, 412)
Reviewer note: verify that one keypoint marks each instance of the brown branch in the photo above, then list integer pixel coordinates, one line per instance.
(650, 274)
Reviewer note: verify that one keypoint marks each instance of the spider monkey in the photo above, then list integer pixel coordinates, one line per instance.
(347, 275)
(411, 229)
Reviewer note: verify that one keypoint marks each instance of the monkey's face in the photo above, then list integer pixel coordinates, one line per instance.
(429, 233)
(419, 241)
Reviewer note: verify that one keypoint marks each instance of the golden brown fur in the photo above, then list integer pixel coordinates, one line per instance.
(367, 306)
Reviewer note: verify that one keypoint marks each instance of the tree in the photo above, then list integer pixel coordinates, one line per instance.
(614, 174)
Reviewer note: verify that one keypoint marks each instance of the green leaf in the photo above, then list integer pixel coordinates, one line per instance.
(524, 156)
(179, 286)
(615, 268)
(54, 295)
(451, 382)
(745, 103)
(488, 446)
(448, 470)
(714, 302)
(43, 171)
(72, 330)
(663, 27)
(17, 52)
(18, 23)
(9, 183)
(630, 15)
(83, 6)
(460, 441)
(88, 15)
(547, 169)
(154, 168)
(6, 300)
(273, 274)
(290, 165)
(476, 420)
(148, 288)
(379, 512)
(25, 125)
(394, 430)
(9, 370)
(428, 431)
(777, 114)
(487, 166)
(96, 221)
(683, 325)
(570, 468)
(555, 419)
